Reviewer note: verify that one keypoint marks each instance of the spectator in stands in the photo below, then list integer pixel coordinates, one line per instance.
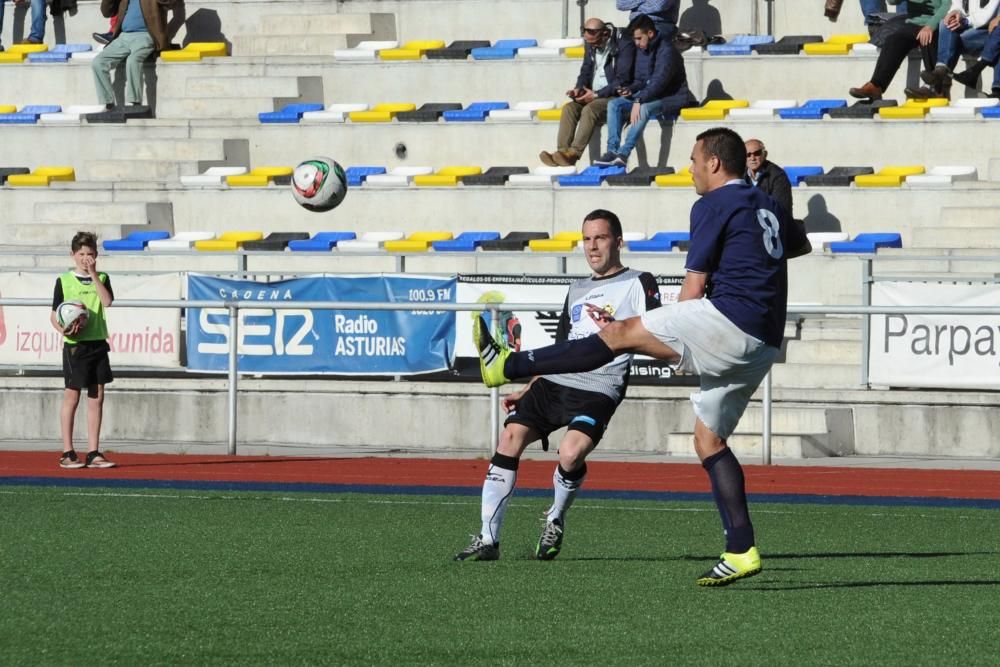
(918, 30)
(36, 34)
(607, 65)
(140, 30)
(767, 176)
(989, 57)
(662, 12)
(659, 85)
(965, 28)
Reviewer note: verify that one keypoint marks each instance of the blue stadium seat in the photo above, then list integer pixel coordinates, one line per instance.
(29, 114)
(357, 175)
(321, 242)
(465, 242)
(70, 48)
(475, 112)
(291, 113)
(590, 176)
(136, 240)
(661, 242)
(990, 112)
(796, 174)
(812, 109)
(868, 243)
(740, 45)
(502, 49)
(49, 57)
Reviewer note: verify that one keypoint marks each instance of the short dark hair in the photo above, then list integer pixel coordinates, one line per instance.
(84, 240)
(641, 22)
(613, 221)
(726, 145)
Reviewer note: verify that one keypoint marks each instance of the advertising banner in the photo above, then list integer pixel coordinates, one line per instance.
(531, 329)
(144, 337)
(944, 351)
(289, 341)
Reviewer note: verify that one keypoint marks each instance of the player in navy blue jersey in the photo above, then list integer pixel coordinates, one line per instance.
(727, 326)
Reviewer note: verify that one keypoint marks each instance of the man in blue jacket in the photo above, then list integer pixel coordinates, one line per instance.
(607, 65)
(659, 85)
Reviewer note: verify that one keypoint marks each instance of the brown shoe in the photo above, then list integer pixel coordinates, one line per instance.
(566, 158)
(31, 40)
(547, 159)
(868, 91)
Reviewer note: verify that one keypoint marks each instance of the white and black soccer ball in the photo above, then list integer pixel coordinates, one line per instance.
(69, 312)
(319, 184)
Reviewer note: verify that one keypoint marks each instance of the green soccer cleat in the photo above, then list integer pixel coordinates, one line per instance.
(479, 550)
(550, 543)
(732, 567)
(493, 352)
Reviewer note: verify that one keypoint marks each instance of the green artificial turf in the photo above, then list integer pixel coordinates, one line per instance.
(133, 576)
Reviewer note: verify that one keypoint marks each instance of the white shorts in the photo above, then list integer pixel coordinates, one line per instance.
(731, 363)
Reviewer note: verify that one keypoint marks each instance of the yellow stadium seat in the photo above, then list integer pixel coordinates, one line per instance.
(928, 103)
(259, 177)
(42, 177)
(180, 56)
(856, 38)
(550, 114)
(727, 104)
(446, 177)
(381, 113)
(228, 241)
(411, 50)
(27, 48)
(241, 236)
(10, 57)
(271, 172)
(703, 113)
(681, 179)
(195, 51)
(826, 49)
(902, 113)
(903, 170)
(878, 181)
(561, 242)
(57, 173)
(7, 108)
(417, 242)
(574, 52)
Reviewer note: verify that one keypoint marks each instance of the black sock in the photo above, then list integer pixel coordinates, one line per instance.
(571, 356)
(729, 491)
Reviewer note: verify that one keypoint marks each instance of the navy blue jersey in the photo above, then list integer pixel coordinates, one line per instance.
(740, 238)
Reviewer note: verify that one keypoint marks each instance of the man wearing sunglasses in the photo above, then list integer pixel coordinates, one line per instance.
(607, 65)
(767, 176)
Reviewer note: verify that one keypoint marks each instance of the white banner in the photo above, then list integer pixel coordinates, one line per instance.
(945, 351)
(137, 336)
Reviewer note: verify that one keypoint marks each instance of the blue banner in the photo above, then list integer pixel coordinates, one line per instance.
(355, 342)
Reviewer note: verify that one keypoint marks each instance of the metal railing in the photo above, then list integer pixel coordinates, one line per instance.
(233, 308)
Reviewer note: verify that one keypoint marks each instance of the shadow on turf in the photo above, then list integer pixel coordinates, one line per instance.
(778, 586)
(770, 556)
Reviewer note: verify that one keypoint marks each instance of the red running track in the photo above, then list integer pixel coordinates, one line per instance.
(602, 475)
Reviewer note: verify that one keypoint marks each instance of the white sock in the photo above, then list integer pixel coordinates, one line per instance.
(497, 490)
(565, 492)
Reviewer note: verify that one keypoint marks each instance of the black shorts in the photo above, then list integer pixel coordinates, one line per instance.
(548, 406)
(86, 364)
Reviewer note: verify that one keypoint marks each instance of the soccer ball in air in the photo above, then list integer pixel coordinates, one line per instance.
(319, 184)
(69, 312)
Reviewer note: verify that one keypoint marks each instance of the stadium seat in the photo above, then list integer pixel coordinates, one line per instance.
(120, 114)
(761, 109)
(465, 242)
(11, 57)
(574, 52)
(660, 242)
(72, 48)
(561, 242)
(334, 113)
(513, 241)
(812, 109)
(48, 57)
(550, 114)
(42, 177)
(494, 176)
(457, 50)
(787, 45)
(275, 241)
(290, 113)
(713, 109)
(417, 242)
(522, 111)
(991, 112)
(943, 176)
(446, 176)
(549, 48)
(837, 177)
(862, 109)
(27, 48)
(796, 174)
(591, 176)
(427, 113)
(820, 241)
(194, 52)
(70, 115)
(179, 241)
(739, 45)
(835, 45)
(540, 176)
(413, 50)
(369, 241)
(28, 115)
(356, 176)
(321, 242)
(887, 177)
(7, 108)
(366, 50)
(79, 57)
(397, 177)
(5, 172)
(680, 179)
(233, 240)
(261, 177)
(868, 243)
(380, 113)
(502, 49)
(213, 177)
(633, 236)
(639, 176)
(475, 112)
(135, 240)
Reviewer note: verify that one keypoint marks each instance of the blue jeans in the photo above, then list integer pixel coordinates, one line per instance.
(878, 6)
(953, 43)
(37, 19)
(991, 55)
(619, 112)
